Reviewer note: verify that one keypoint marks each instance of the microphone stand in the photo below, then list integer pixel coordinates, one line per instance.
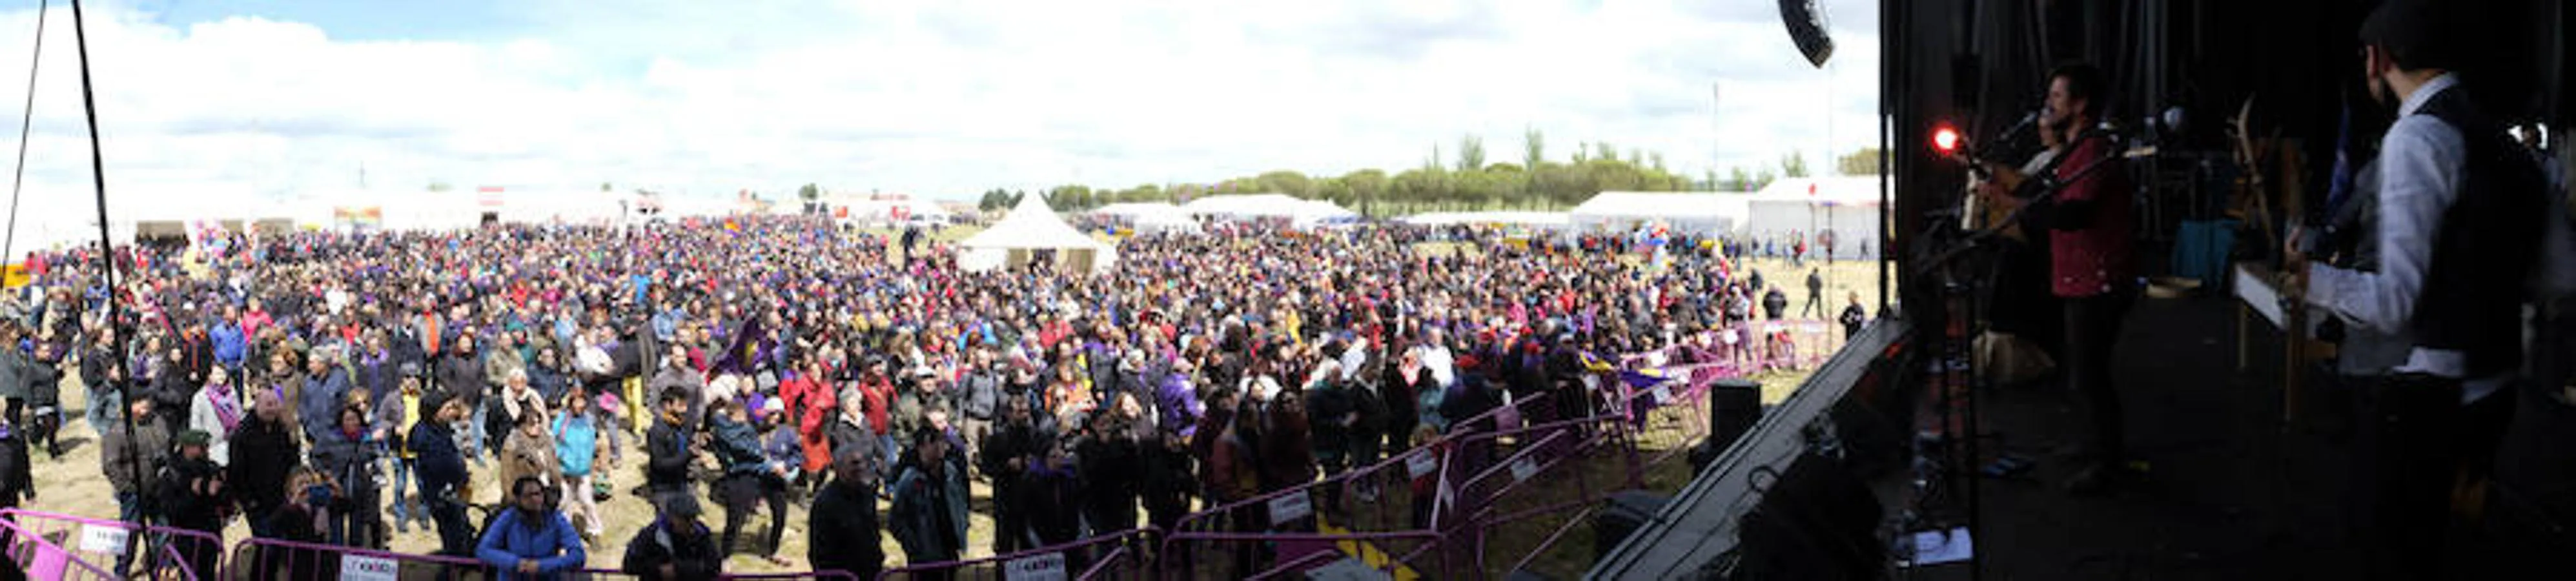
(1950, 359)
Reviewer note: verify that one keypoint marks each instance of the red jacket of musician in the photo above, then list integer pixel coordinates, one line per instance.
(2091, 237)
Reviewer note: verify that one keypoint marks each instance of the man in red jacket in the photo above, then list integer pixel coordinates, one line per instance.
(2090, 240)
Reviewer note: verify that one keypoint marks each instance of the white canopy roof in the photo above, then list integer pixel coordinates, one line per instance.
(1689, 211)
(1152, 217)
(1834, 190)
(1247, 206)
(1031, 226)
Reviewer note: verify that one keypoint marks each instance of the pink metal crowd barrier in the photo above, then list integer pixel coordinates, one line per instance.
(268, 559)
(109, 541)
(42, 558)
(1118, 555)
(834, 575)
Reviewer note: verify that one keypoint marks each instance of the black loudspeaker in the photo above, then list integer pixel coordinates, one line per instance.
(1807, 28)
(1816, 521)
(1734, 405)
(1621, 514)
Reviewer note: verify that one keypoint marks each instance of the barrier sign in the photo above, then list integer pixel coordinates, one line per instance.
(1523, 469)
(1290, 507)
(1046, 567)
(102, 540)
(1420, 464)
(367, 568)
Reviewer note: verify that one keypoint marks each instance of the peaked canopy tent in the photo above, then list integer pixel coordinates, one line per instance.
(1693, 212)
(1032, 232)
(1541, 220)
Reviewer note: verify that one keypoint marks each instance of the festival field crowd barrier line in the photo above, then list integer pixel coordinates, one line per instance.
(42, 558)
(1114, 556)
(104, 541)
(268, 559)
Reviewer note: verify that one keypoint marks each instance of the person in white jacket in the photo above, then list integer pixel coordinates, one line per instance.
(217, 410)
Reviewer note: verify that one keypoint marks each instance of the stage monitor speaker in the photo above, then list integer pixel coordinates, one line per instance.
(1622, 514)
(1807, 28)
(1816, 521)
(1734, 405)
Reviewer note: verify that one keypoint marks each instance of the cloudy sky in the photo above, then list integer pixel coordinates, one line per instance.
(203, 99)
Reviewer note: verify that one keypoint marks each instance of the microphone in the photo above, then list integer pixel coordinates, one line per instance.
(2027, 120)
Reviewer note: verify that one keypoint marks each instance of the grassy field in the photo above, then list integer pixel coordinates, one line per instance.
(73, 484)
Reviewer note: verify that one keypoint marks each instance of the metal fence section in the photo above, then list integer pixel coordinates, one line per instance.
(189, 555)
(268, 559)
(42, 558)
(1119, 555)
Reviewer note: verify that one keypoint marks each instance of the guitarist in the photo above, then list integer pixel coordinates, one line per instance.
(2021, 304)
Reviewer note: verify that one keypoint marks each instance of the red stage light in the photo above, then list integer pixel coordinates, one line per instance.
(1945, 139)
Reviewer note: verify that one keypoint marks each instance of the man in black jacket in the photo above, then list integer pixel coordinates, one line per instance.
(667, 446)
(459, 375)
(264, 453)
(676, 546)
(1008, 454)
(441, 470)
(844, 526)
(192, 497)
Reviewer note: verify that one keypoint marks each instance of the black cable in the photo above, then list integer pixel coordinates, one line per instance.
(26, 122)
(106, 246)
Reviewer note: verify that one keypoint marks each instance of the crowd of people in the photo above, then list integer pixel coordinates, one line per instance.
(315, 384)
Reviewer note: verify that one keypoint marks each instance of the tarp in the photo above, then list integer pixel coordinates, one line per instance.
(1266, 206)
(1152, 217)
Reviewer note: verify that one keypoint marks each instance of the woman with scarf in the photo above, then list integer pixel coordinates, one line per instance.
(216, 409)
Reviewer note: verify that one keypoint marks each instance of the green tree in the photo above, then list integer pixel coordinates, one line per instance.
(1794, 165)
(1605, 151)
(603, 187)
(1533, 148)
(1860, 163)
(1368, 187)
(439, 186)
(1285, 182)
(809, 192)
(1471, 153)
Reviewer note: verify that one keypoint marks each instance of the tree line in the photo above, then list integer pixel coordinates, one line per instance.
(1463, 178)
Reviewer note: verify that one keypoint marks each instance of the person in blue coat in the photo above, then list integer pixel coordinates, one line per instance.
(532, 540)
(326, 388)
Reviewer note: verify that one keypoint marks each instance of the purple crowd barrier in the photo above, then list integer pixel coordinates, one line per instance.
(42, 558)
(109, 541)
(839, 575)
(267, 559)
(1111, 556)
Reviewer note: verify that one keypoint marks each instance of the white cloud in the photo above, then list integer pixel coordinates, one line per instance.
(943, 98)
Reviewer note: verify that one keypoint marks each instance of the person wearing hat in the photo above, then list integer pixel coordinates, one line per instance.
(397, 409)
(192, 497)
(441, 471)
(676, 546)
(2461, 217)
(845, 531)
(129, 459)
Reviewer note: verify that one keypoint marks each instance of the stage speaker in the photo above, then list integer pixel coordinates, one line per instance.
(1816, 521)
(1807, 28)
(1622, 514)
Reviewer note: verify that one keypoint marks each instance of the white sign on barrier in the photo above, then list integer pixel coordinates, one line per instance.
(1421, 464)
(1663, 394)
(1046, 567)
(102, 540)
(368, 568)
(1523, 469)
(1290, 507)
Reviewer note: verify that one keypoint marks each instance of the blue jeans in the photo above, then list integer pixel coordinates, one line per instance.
(129, 506)
(474, 436)
(894, 454)
(404, 512)
(106, 406)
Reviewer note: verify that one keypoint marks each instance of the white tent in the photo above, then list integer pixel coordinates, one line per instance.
(1033, 232)
(1268, 206)
(885, 211)
(1151, 217)
(1792, 208)
(1695, 212)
